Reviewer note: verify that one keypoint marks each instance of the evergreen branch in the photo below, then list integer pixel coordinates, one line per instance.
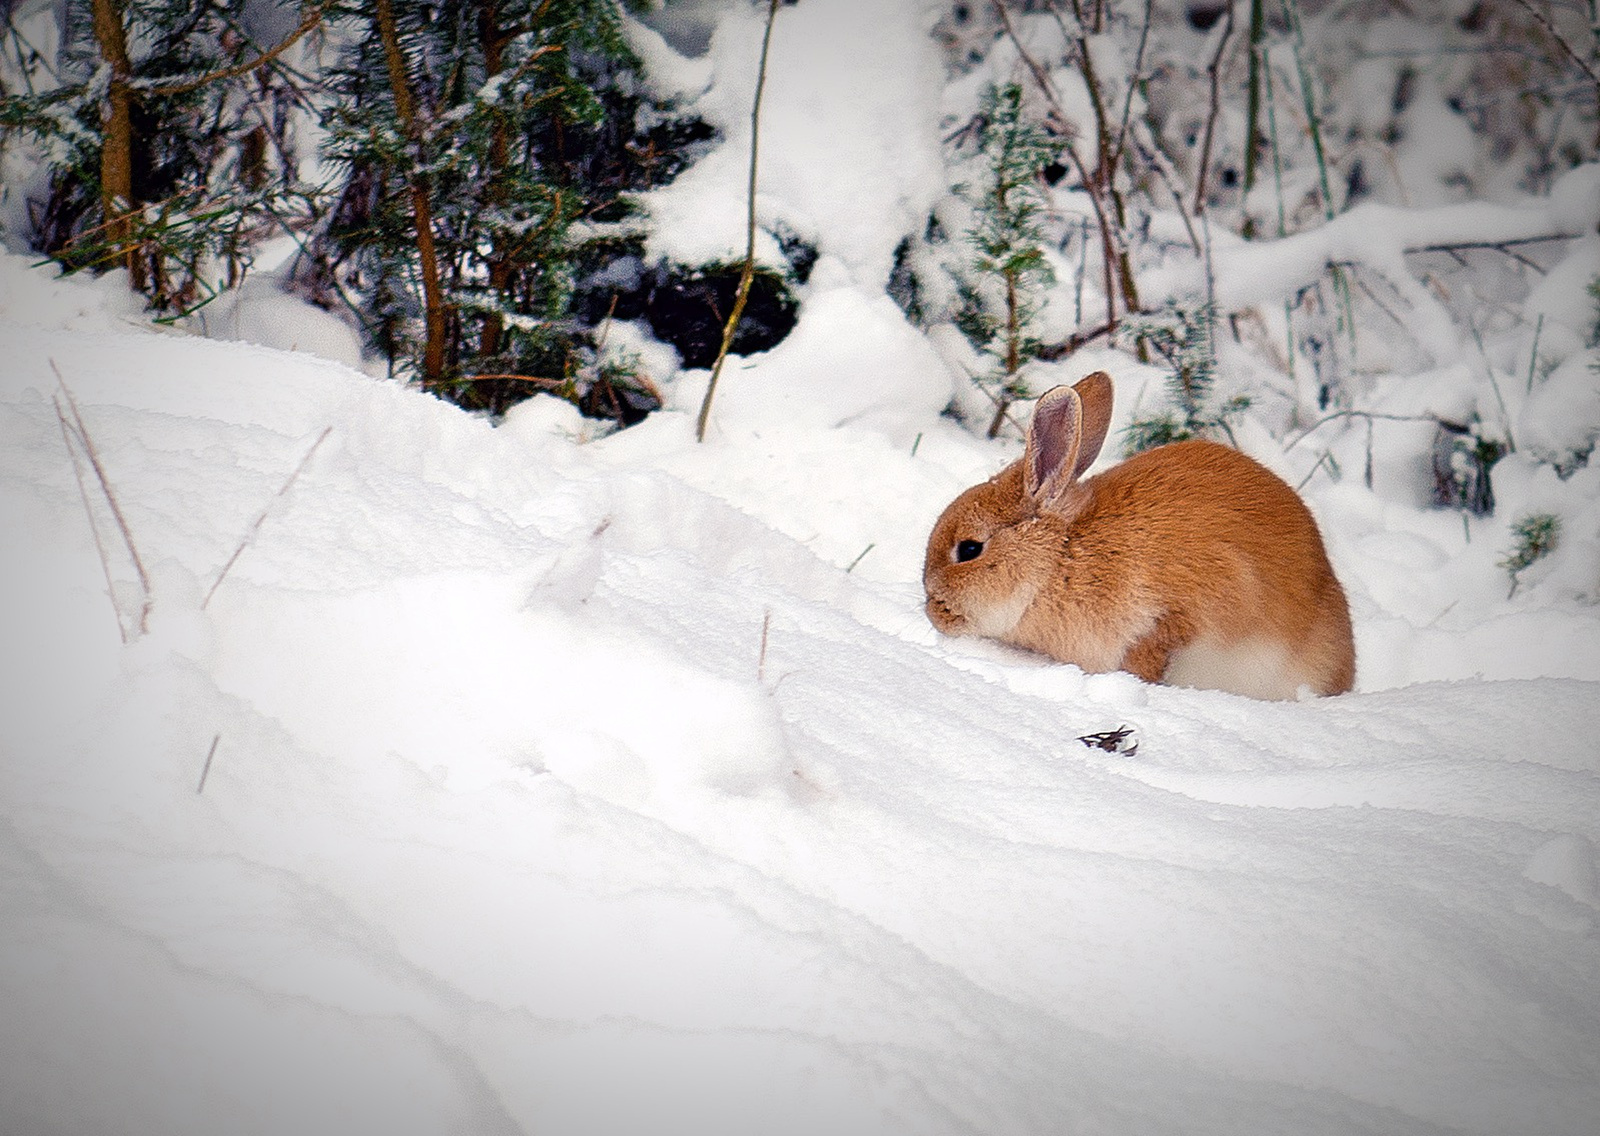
(537, 380)
(748, 274)
(311, 19)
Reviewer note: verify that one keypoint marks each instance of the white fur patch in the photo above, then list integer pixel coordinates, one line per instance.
(1255, 668)
(997, 621)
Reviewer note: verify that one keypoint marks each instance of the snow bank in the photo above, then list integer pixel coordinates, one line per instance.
(513, 784)
(850, 156)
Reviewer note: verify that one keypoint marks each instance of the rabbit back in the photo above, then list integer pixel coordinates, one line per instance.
(1204, 569)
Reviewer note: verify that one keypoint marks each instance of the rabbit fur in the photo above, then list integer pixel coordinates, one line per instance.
(1189, 564)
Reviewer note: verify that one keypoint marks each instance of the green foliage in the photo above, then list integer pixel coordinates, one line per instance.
(211, 169)
(1182, 336)
(1536, 536)
(1001, 291)
(522, 115)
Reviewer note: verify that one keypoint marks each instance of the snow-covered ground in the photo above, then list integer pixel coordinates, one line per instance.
(563, 787)
(432, 775)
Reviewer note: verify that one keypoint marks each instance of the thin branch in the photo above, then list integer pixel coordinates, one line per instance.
(1099, 185)
(1370, 415)
(1544, 22)
(1157, 161)
(81, 432)
(750, 234)
(1498, 246)
(1133, 82)
(537, 380)
(311, 20)
(1214, 69)
(1325, 460)
(255, 526)
(1053, 351)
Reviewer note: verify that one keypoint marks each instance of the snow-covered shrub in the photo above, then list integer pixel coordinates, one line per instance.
(166, 132)
(451, 228)
(1184, 339)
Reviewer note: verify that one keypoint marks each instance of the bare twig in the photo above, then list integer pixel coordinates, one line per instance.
(1533, 355)
(1494, 384)
(77, 431)
(861, 557)
(1053, 351)
(1504, 246)
(1367, 414)
(255, 526)
(1325, 460)
(1133, 82)
(750, 234)
(1157, 161)
(761, 660)
(1097, 183)
(205, 770)
(1550, 29)
(1214, 69)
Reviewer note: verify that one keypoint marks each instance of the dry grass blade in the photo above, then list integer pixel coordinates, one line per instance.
(748, 274)
(76, 432)
(261, 517)
(205, 770)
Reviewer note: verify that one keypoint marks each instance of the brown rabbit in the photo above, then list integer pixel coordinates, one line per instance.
(1189, 564)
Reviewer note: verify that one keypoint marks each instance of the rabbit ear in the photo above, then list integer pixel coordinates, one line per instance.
(1094, 393)
(1050, 461)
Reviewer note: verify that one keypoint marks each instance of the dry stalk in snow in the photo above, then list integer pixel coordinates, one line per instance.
(255, 525)
(78, 440)
(750, 235)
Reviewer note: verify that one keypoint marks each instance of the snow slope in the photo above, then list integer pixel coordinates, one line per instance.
(510, 782)
(440, 776)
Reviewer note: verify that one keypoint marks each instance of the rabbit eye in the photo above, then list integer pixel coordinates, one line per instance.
(968, 550)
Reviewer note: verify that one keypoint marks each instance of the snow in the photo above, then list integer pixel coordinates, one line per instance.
(523, 777)
(513, 823)
(849, 136)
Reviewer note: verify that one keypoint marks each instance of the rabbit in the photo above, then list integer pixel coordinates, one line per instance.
(1189, 564)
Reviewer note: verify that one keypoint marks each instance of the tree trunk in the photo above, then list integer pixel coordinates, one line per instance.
(116, 148)
(421, 205)
(493, 40)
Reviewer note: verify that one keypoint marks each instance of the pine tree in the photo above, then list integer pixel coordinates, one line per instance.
(471, 136)
(166, 150)
(1007, 240)
(1183, 335)
(1537, 535)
